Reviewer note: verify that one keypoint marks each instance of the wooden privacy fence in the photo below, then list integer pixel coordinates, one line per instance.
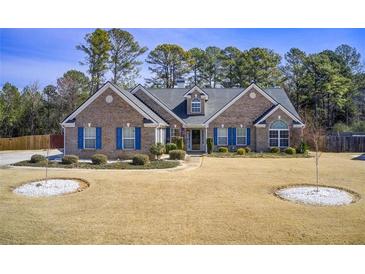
(31, 142)
(345, 142)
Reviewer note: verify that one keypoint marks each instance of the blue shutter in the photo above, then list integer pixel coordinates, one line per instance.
(168, 135)
(119, 138)
(98, 138)
(137, 136)
(248, 136)
(234, 136)
(229, 136)
(215, 136)
(80, 138)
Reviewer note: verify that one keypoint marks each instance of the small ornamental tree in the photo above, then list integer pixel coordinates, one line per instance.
(315, 132)
(180, 143)
(157, 150)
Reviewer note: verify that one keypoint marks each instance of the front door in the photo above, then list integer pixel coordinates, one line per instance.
(195, 139)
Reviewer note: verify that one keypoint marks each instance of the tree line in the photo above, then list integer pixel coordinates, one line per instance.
(326, 85)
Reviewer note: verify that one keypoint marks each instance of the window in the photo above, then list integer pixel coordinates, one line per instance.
(128, 137)
(195, 105)
(241, 136)
(160, 135)
(222, 136)
(90, 137)
(279, 134)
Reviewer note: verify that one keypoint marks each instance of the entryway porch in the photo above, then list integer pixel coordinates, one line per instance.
(196, 140)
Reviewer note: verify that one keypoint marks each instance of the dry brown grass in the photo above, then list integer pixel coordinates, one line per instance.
(226, 201)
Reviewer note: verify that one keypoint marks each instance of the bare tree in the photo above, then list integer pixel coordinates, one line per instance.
(314, 132)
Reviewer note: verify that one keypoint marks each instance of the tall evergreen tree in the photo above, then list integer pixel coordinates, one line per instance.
(198, 58)
(294, 70)
(230, 66)
(261, 65)
(212, 71)
(33, 111)
(168, 62)
(124, 53)
(10, 110)
(96, 48)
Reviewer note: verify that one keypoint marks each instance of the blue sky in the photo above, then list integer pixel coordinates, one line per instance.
(43, 55)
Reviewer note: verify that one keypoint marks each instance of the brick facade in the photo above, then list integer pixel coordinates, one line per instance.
(243, 112)
(108, 117)
(118, 113)
(262, 134)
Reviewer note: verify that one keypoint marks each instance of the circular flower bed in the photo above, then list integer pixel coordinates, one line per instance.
(324, 196)
(51, 187)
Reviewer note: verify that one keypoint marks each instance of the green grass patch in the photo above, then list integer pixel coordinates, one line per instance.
(116, 165)
(257, 155)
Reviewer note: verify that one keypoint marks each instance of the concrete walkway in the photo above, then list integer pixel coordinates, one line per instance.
(13, 156)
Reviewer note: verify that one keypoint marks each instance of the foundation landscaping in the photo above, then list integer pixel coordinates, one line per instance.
(154, 160)
(246, 152)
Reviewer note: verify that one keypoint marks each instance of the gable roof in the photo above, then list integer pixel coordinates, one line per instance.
(133, 101)
(196, 88)
(219, 100)
(271, 110)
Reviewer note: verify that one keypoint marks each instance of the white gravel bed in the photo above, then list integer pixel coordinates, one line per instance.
(325, 196)
(52, 187)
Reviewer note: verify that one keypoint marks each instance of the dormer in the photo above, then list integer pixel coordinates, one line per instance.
(195, 101)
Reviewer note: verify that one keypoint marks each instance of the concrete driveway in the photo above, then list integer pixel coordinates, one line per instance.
(12, 156)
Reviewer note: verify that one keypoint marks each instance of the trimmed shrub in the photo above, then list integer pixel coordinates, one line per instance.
(210, 145)
(290, 150)
(223, 149)
(241, 151)
(70, 159)
(170, 146)
(140, 159)
(275, 150)
(177, 154)
(303, 148)
(157, 150)
(248, 150)
(99, 159)
(36, 158)
(180, 143)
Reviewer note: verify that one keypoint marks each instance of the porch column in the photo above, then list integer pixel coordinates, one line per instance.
(206, 137)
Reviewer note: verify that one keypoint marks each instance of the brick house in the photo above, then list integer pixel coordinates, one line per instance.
(118, 123)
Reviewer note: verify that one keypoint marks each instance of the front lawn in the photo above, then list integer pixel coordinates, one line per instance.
(225, 201)
(257, 155)
(115, 165)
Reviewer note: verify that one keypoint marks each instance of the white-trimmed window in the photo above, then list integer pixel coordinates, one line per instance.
(279, 134)
(241, 138)
(196, 105)
(90, 137)
(222, 136)
(129, 138)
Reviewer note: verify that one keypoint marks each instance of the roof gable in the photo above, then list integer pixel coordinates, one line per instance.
(133, 101)
(173, 100)
(270, 111)
(235, 99)
(196, 89)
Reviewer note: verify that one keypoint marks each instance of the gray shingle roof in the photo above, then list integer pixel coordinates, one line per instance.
(142, 106)
(218, 98)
